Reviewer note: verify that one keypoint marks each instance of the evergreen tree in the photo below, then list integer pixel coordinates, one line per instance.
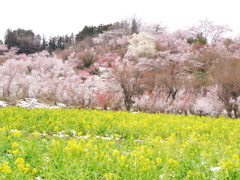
(60, 42)
(44, 43)
(25, 40)
(10, 39)
(52, 44)
(72, 39)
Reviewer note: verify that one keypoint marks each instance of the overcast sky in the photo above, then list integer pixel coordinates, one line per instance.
(61, 17)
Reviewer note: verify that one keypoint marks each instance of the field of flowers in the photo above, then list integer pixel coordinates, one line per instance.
(90, 144)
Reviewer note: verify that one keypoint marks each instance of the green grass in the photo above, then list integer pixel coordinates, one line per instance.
(91, 144)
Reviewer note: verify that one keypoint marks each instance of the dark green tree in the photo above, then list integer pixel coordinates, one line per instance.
(91, 31)
(25, 40)
(72, 39)
(52, 45)
(60, 42)
(134, 27)
(195, 40)
(44, 43)
(10, 39)
(87, 31)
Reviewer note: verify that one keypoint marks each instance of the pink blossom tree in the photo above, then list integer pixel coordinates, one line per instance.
(208, 30)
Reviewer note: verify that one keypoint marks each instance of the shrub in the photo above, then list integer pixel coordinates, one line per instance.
(88, 58)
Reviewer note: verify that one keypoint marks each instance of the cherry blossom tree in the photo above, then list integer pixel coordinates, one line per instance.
(3, 48)
(208, 30)
(208, 104)
(153, 71)
(10, 71)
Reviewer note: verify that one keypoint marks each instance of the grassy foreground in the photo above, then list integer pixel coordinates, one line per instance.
(90, 144)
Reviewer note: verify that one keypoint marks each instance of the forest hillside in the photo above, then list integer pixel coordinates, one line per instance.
(127, 66)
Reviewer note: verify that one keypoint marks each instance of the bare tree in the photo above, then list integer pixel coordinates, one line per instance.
(128, 78)
(167, 74)
(130, 25)
(226, 76)
(200, 65)
(170, 76)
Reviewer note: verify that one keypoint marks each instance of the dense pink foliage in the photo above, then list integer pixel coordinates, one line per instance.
(106, 82)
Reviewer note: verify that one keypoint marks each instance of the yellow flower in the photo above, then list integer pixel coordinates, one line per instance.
(235, 157)
(228, 147)
(108, 175)
(149, 152)
(5, 168)
(26, 168)
(79, 134)
(17, 133)
(15, 145)
(134, 153)
(117, 136)
(21, 165)
(56, 128)
(14, 151)
(19, 161)
(36, 134)
(159, 160)
(34, 170)
(189, 173)
(115, 152)
(173, 162)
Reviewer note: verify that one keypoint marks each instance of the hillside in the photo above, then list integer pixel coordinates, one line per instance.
(191, 71)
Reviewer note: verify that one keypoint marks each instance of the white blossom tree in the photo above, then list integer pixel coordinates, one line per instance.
(142, 45)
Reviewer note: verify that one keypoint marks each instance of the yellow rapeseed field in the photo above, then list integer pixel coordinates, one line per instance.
(90, 144)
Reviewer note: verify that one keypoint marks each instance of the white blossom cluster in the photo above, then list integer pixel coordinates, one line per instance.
(142, 45)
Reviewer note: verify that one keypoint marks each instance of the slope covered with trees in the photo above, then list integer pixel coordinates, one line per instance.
(129, 66)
